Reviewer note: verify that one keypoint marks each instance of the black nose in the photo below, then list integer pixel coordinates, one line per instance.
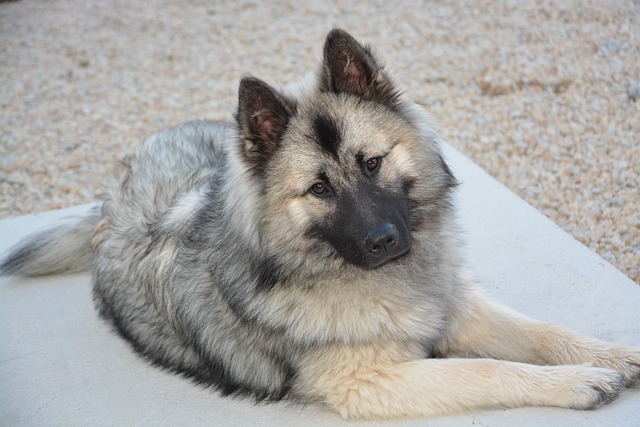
(382, 240)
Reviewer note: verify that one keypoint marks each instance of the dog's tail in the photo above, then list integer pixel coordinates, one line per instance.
(63, 248)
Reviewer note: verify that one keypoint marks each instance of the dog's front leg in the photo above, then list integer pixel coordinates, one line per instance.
(485, 328)
(367, 383)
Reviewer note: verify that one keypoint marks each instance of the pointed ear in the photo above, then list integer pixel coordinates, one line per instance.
(263, 116)
(351, 68)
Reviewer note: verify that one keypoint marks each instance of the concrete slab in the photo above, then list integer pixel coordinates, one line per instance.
(60, 365)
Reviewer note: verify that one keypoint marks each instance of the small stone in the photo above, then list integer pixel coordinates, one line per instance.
(616, 202)
(633, 91)
(613, 46)
(8, 160)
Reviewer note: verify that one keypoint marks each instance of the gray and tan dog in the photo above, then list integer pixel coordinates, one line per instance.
(308, 251)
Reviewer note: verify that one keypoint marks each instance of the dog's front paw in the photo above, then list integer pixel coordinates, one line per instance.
(591, 387)
(625, 360)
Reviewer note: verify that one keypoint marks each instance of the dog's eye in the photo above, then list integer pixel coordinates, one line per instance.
(373, 164)
(320, 189)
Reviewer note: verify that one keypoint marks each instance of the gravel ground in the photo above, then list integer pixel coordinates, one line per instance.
(544, 95)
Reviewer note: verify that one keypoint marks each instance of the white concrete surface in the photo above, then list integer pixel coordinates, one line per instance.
(60, 365)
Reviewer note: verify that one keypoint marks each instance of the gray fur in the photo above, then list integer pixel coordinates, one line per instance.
(64, 248)
(308, 250)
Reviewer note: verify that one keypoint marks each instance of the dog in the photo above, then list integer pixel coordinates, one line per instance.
(307, 250)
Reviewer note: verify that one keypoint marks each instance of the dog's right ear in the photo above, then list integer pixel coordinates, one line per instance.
(351, 68)
(263, 117)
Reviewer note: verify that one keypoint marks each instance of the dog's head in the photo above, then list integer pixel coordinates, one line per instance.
(347, 171)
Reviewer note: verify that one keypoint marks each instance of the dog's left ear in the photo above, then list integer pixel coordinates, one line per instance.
(263, 116)
(351, 68)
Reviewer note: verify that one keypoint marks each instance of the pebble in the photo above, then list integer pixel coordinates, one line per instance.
(633, 91)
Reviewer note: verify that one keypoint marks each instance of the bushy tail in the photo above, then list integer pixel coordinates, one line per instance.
(63, 248)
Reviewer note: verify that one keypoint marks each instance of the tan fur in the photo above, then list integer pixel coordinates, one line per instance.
(375, 380)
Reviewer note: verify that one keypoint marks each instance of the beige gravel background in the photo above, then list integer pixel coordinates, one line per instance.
(544, 95)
